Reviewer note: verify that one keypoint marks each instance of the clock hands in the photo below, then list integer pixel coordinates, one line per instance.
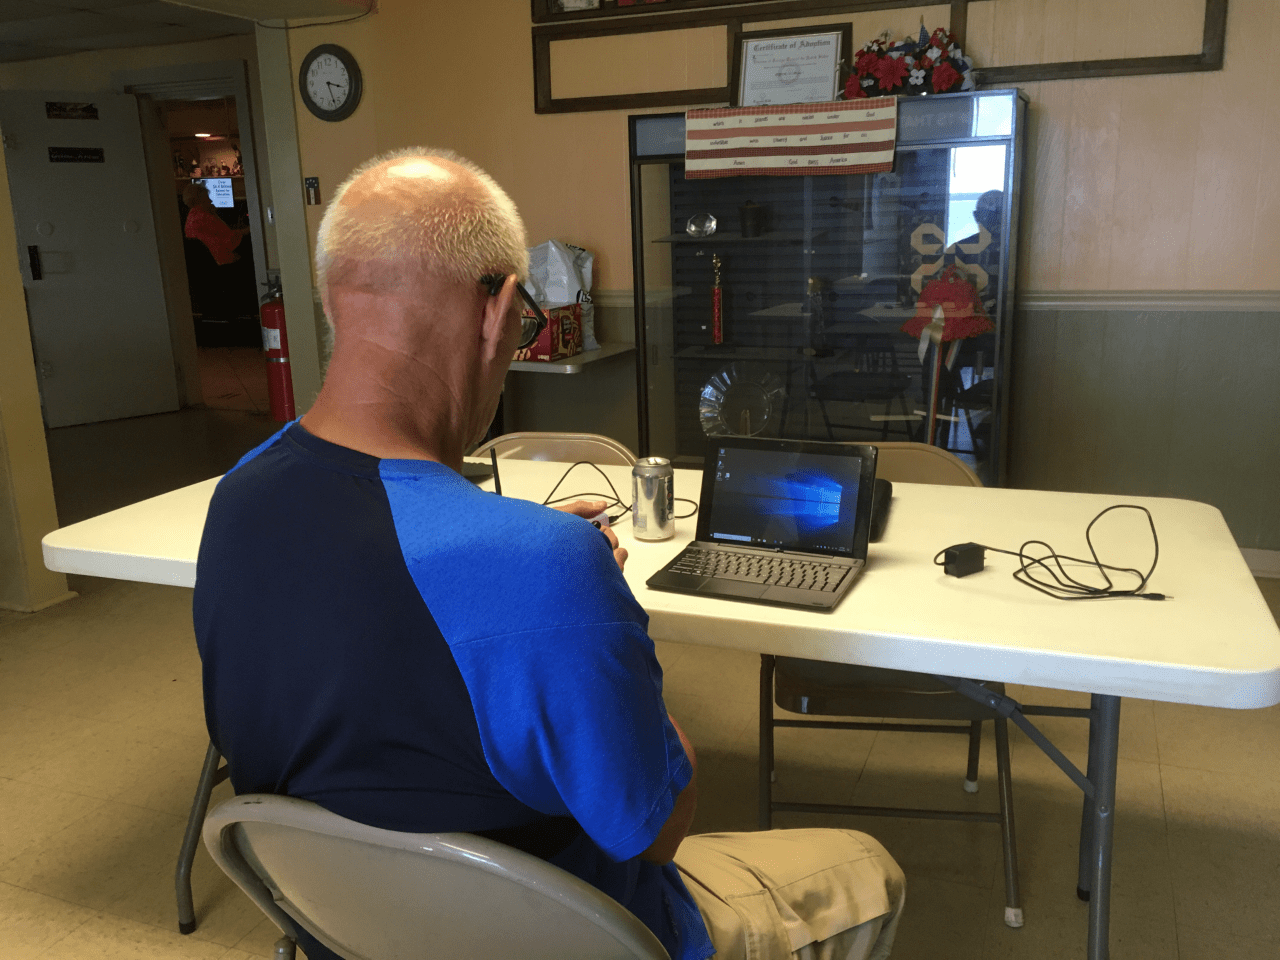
(340, 87)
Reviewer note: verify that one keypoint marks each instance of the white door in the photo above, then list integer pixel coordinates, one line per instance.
(90, 265)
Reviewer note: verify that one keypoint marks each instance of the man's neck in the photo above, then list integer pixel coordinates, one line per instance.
(392, 404)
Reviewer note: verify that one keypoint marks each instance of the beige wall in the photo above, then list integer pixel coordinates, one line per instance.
(1161, 182)
(93, 72)
(26, 490)
(1139, 183)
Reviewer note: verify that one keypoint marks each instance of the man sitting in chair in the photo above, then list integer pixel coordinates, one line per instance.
(383, 638)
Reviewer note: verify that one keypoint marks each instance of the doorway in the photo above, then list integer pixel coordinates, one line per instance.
(204, 141)
(221, 329)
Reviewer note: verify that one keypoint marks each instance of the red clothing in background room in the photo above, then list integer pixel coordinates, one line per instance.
(205, 226)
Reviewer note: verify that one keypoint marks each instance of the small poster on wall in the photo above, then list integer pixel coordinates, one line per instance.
(790, 69)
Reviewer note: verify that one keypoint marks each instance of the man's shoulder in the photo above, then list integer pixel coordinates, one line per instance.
(489, 565)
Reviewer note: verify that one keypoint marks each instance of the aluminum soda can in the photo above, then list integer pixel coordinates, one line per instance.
(653, 499)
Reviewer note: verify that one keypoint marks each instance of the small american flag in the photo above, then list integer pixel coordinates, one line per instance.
(844, 136)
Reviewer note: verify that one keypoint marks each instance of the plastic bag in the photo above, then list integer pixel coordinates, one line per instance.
(560, 273)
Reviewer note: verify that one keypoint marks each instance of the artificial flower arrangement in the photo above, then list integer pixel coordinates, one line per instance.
(932, 63)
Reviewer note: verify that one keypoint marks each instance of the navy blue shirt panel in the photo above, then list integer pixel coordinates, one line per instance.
(371, 642)
(297, 716)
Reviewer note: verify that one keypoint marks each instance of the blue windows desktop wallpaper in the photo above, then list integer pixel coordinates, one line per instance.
(805, 502)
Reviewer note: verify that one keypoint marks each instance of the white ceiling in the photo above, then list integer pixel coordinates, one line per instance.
(33, 29)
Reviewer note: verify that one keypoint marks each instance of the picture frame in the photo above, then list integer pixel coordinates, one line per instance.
(796, 65)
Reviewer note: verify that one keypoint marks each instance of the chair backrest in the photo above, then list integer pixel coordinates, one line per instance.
(923, 463)
(371, 894)
(559, 447)
(202, 269)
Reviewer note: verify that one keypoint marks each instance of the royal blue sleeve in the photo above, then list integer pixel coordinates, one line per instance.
(573, 723)
(552, 646)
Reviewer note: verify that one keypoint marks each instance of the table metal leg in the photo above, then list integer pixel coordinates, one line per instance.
(1103, 774)
(1084, 880)
(1099, 786)
(764, 790)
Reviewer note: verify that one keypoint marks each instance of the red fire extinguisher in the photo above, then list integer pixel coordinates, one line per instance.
(275, 342)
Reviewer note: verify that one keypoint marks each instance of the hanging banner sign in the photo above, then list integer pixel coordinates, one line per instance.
(60, 110)
(844, 136)
(77, 155)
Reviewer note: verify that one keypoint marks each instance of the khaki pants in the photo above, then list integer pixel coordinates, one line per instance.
(803, 894)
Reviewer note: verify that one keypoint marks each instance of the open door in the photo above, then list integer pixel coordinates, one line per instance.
(90, 264)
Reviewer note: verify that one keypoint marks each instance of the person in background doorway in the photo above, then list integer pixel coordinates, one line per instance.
(204, 224)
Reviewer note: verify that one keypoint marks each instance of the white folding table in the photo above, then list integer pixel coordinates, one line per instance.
(1213, 643)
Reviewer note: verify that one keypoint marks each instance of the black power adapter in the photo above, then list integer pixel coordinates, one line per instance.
(963, 559)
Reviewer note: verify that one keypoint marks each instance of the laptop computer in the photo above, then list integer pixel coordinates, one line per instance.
(779, 521)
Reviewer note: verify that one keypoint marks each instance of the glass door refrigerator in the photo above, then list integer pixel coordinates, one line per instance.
(854, 308)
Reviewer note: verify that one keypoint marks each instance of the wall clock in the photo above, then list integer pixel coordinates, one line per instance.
(330, 82)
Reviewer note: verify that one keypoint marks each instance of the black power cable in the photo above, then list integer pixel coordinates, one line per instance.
(613, 494)
(1047, 574)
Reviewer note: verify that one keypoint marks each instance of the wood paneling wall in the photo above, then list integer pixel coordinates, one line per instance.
(1152, 401)
(1148, 183)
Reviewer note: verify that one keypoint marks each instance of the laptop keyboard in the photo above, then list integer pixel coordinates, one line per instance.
(761, 568)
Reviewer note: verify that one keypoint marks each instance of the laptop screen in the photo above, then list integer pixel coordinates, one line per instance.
(792, 499)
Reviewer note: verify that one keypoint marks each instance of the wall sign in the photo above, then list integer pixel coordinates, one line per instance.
(77, 155)
(62, 110)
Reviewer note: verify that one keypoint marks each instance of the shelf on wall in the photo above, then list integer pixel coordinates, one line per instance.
(776, 236)
(575, 363)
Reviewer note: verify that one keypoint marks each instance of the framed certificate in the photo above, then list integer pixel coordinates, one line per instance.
(801, 65)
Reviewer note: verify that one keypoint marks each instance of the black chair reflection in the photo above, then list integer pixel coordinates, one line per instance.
(870, 374)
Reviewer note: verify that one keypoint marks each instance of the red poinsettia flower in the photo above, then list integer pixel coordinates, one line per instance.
(865, 62)
(945, 76)
(891, 71)
(853, 89)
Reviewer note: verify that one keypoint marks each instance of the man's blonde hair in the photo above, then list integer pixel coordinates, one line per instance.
(420, 227)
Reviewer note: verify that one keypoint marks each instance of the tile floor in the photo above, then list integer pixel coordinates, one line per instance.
(101, 740)
(234, 378)
(101, 466)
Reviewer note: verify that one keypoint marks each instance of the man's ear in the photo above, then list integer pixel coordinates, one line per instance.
(497, 316)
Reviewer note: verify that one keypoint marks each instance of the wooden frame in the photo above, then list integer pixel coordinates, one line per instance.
(544, 12)
(611, 20)
(737, 38)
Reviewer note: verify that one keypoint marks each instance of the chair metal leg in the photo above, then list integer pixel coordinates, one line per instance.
(766, 743)
(210, 777)
(1008, 835)
(284, 949)
(975, 747)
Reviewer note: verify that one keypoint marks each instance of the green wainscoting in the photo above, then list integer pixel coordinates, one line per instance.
(1171, 395)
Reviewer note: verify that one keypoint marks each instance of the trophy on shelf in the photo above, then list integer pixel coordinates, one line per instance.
(717, 300)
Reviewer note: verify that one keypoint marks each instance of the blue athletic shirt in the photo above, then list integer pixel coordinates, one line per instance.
(385, 639)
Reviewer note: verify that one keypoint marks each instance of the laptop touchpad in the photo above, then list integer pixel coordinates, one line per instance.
(732, 588)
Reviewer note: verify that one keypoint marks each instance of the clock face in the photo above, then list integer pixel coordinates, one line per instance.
(328, 82)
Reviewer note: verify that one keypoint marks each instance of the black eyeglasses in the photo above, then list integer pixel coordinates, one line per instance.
(530, 327)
